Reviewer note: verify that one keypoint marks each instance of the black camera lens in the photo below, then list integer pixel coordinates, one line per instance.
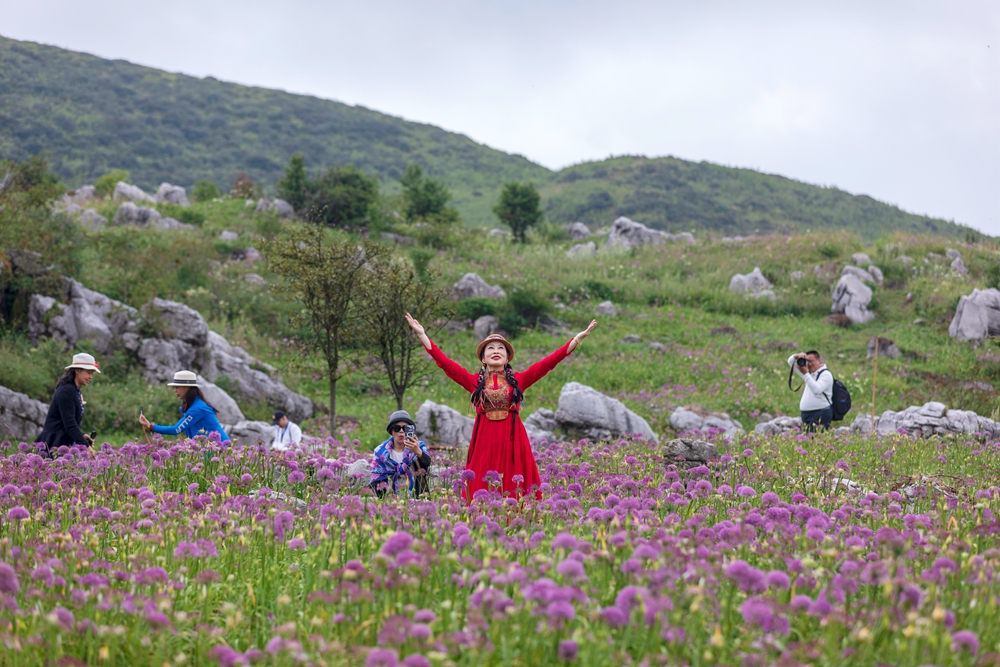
(801, 362)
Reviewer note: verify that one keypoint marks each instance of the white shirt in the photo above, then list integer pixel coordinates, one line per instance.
(397, 456)
(818, 392)
(286, 437)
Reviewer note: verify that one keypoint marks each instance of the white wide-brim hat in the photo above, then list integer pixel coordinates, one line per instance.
(85, 362)
(184, 379)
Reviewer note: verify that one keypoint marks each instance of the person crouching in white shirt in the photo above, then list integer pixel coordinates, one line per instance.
(287, 432)
(816, 403)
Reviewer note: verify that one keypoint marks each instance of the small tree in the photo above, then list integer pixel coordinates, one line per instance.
(324, 273)
(519, 209)
(243, 187)
(105, 185)
(425, 199)
(294, 187)
(205, 190)
(392, 289)
(342, 197)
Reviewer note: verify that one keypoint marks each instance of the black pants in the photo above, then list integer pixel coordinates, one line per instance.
(810, 418)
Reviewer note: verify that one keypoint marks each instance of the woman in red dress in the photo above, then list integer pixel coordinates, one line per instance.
(499, 442)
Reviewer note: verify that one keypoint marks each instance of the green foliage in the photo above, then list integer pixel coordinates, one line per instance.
(187, 214)
(105, 185)
(243, 187)
(473, 309)
(518, 208)
(993, 276)
(294, 185)
(522, 310)
(421, 258)
(343, 197)
(205, 190)
(426, 200)
(829, 250)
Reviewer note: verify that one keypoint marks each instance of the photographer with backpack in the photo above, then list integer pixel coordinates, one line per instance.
(817, 403)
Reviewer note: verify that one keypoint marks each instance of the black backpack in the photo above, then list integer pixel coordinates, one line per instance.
(841, 402)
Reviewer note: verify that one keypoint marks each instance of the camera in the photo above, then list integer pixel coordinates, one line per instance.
(801, 362)
(409, 430)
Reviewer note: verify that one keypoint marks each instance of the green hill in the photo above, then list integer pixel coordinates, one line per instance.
(91, 115)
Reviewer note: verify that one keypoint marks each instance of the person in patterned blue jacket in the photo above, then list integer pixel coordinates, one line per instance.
(197, 416)
(400, 459)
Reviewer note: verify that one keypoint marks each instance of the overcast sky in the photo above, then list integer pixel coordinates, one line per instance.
(897, 100)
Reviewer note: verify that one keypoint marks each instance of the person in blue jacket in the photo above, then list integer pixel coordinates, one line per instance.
(197, 416)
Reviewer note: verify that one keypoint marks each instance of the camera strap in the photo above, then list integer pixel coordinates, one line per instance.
(791, 374)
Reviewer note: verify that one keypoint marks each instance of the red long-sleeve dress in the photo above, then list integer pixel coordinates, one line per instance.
(499, 441)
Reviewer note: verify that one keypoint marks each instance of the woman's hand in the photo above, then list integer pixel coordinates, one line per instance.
(419, 329)
(577, 339)
(412, 444)
(145, 423)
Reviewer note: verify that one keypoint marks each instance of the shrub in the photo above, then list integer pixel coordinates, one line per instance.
(421, 258)
(473, 309)
(829, 250)
(993, 276)
(243, 187)
(105, 185)
(343, 197)
(205, 190)
(185, 214)
(522, 310)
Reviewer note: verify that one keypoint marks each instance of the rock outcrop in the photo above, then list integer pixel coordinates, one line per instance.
(778, 426)
(926, 420)
(22, 416)
(172, 194)
(588, 249)
(132, 193)
(246, 432)
(93, 220)
(540, 426)
(861, 274)
(886, 348)
(696, 418)
(142, 216)
(861, 259)
(443, 426)
(977, 316)
(606, 308)
(472, 286)
(753, 284)
(81, 195)
(89, 316)
(851, 298)
(587, 412)
(627, 233)
(486, 325)
(279, 206)
(689, 453)
(578, 231)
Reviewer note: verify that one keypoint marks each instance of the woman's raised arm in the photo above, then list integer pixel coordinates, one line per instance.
(452, 369)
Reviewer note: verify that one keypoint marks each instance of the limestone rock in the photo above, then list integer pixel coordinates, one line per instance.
(227, 235)
(278, 206)
(606, 308)
(176, 320)
(977, 316)
(861, 259)
(540, 425)
(172, 194)
(161, 358)
(472, 286)
(360, 468)
(249, 433)
(588, 249)
(81, 195)
(927, 420)
(627, 233)
(689, 453)
(486, 325)
(657, 346)
(876, 273)
(631, 339)
(778, 426)
(229, 411)
(443, 426)
(697, 418)
(578, 231)
(89, 316)
(93, 220)
(959, 266)
(752, 284)
(254, 279)
(72, 210)
(796, 276)
(22, 415)
(886, 348)
(859, 273)
(138, 216)
(131, 193)
(851, 298)
(584, 410)
(951, 253)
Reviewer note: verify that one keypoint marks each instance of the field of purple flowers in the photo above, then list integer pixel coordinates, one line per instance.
(796, 550)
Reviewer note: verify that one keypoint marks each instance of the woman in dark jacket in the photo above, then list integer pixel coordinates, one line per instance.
(62, 423)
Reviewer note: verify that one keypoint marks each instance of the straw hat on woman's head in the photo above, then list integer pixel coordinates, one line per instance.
(184, 379)
(85, 362)
(495, 338)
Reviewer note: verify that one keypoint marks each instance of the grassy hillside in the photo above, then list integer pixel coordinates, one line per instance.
(91, 115)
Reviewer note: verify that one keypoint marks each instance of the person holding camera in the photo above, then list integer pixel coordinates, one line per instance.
(402, 455)
(62, 422)
(816, 404)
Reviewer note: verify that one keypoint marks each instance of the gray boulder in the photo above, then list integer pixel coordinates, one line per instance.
(227, 235)
(132, 193)
(72, 210)
(81, 195)
(486, 325)
(137, 216)
(89, 316)
(585, 411)
(578, 231)
(851, 298)
(93, 220)
(697, 418)
(927, 420)
(170, 223)
(229, 411)
(254, 279)
(752, 284)
(161, 358)
(959, 266)
(951, 253)
(977, 316)
(778, 426)
(278, 206)
(886, 348)
(22, 416)
(247, 432)
(631, 339)
(606, 308)
(861, 259)
(472, 286)
(541, 425)
(689, 453)
(172, 194)
(588, 249)
(176, 320)
(876, 273)
(443, 426)
(860, 274)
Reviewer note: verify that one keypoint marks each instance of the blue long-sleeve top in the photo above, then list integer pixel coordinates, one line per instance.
(199, 419)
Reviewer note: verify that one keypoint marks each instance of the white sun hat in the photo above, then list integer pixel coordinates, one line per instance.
(184, 379)
(84, 361)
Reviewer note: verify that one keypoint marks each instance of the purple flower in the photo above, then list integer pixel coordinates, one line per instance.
(758, 612)
(186, 550)
(8, 579)
(397, 544)
(560, 610)
(745, 492)
(157, 619)
(568, 650)
(297, 544)
(614, 617)
(416, 660)
(63, 617)
(296, 476)
(17, 513)
(748, 452)
(571, 569)
(420, 631)
(382, 657)
(424, 616)
(965, 639)
(282, 524)
(468, 475)
(777, 579)
(564, 541)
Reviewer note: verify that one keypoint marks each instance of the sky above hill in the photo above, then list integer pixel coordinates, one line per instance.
(897, 100)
